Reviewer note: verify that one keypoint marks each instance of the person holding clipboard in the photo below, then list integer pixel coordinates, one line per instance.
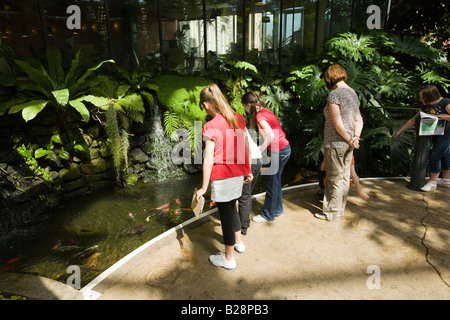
(226, 164)
(439, 159)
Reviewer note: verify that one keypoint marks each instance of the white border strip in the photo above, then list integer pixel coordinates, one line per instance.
(87, 291)
(90, 294)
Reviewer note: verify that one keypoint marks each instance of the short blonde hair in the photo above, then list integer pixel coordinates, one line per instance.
(334, 74)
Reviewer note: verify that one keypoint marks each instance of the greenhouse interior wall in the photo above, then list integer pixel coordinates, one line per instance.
(184, 35)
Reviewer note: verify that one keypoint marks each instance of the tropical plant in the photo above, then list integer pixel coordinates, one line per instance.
(50, 85)
(277, 100)
(122, 106)
(308, 87)
(138, 82)
(180, 96)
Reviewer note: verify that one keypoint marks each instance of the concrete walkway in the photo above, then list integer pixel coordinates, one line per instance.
(393, 246)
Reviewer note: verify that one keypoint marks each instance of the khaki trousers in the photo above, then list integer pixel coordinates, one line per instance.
(338, 162)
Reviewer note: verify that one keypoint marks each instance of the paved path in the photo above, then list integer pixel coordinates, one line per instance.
(398, 236)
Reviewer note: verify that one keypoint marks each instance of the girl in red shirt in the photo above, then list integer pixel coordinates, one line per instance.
(276, 143)
(226, 163)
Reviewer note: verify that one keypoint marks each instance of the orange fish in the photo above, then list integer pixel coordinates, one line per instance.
(176, 212)
(177, 200)
(9, 265)
(163, 206)
(186, 209)
(13, 260)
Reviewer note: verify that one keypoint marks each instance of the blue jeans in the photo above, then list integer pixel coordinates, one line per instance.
(273, 203)
(439, 155)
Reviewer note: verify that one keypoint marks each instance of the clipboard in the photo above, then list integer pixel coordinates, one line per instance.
(197, 207)
(431, 125)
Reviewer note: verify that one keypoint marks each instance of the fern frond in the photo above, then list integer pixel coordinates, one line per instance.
(171, 122)
(245, 65)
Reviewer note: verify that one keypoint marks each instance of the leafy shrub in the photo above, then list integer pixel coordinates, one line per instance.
(180, 96)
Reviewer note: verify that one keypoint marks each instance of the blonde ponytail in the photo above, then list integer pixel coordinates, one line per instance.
(219, 102)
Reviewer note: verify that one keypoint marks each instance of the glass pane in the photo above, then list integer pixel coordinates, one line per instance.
(224, 29)
(91, 38)
(182, 35)
(263, 31)
(338, 17)
(20, 27)
(148, 34)
(298, 29)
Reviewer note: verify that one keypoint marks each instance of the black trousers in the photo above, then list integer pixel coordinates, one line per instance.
(230, 221)
(245, 201)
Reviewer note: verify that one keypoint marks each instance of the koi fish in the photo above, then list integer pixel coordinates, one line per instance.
(186, 209)
(177, 201)
(13, 260)
(176, 212)
(85, 251)
(163, 206)
(134, 229)
(92, 260)
(9, 265)
(87, 269)
(130, 215)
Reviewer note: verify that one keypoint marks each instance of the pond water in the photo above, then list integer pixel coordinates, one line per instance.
(98, 229)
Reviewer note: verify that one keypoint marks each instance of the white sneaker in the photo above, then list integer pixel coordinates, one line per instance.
(429, 186)
(219, 260)
(239, 247)
(259, 218)
(441, 183)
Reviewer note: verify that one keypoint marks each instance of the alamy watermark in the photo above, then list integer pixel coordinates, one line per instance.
(374, 280)
(372, 22)
(233, 153)
(74, 280)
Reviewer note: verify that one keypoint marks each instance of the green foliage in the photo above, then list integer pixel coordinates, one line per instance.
(353, 47)
(277, 99)
(180, 95)
(308, 87)
(11, 297)
(118, 142)
(30, 153)
(51, 86)
(58, 148)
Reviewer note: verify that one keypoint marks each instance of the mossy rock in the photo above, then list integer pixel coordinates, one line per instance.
(94, 166)
(73, 172)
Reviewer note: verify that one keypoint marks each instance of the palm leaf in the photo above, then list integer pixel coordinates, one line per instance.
(55, 70)
(39, 77)
(68, 82)
(80, 83)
